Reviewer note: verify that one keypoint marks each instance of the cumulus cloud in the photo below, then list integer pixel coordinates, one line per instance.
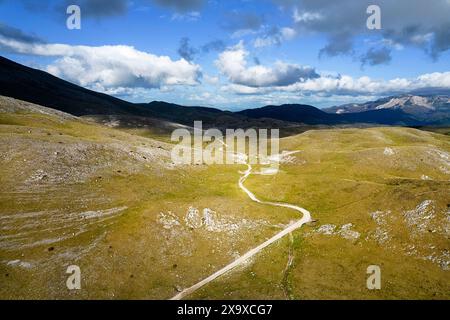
(344, 85)
(423, 24)
(109, 67)
(233, 64)
(365, 85)
(291, 78)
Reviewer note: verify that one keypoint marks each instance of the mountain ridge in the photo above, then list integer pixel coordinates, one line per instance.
(39, 87)
(311, 115)
(431, 108)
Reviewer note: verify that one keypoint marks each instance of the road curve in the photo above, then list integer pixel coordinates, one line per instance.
(306, 218)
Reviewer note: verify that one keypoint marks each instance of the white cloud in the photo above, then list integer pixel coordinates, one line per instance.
(291, 78)
(366, 85)
(108, 67)
(211, 80)
(435, 79)
(285, 77)
(240, 89)
(348, 86)
(233, 64)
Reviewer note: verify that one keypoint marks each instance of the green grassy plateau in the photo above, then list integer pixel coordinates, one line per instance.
(73, 192)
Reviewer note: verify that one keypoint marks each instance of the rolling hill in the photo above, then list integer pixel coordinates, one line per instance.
(141, 227)
(311, 115)
(36, 86)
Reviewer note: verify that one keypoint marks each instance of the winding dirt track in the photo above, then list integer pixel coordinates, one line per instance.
(306, 218)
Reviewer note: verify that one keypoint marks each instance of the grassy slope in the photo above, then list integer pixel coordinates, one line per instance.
(57, 174)
(342, 176)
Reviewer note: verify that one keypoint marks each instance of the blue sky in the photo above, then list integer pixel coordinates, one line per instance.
(235, 54)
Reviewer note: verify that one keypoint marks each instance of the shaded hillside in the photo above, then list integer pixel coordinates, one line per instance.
(291, 112)
(32, 85)
(36, 86)
(425, 108)
(311, 115)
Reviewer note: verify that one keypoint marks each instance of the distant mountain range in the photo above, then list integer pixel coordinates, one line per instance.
(313, 116)
(36, 86)
(428, 108)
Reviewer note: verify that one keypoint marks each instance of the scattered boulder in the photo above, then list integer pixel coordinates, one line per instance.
(193, 218)
(344, 231)
(168, 220)
(347, 233)
(388, 152)
(327, 229)
(420, 217)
